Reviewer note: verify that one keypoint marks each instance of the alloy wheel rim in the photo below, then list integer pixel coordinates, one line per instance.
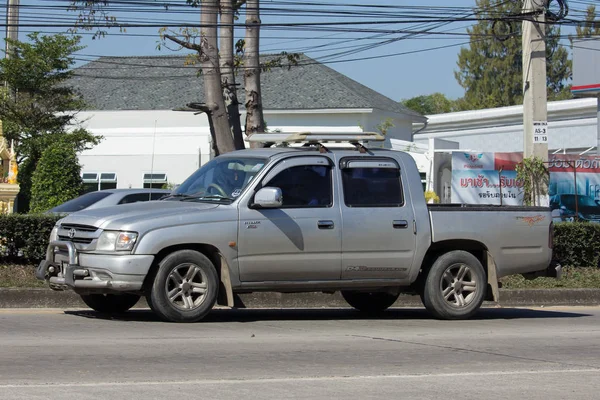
(458, 286)
(186, 286)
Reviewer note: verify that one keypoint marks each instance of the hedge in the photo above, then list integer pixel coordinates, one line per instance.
(24, 237)
(577, 244)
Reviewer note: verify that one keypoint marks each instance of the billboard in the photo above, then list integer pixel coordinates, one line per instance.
(486, 178)
(491, 178)
(575, 187)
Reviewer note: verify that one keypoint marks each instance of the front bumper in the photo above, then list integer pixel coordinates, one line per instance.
(97, 273)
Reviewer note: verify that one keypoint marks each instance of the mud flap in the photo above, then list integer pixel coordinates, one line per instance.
(493, 291)
(226, 297)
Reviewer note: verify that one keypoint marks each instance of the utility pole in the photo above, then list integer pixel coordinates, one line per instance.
(12, 23)
(535, 109)
(12, 28)
(535, 114)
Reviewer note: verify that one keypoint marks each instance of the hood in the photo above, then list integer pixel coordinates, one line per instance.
(128, 216)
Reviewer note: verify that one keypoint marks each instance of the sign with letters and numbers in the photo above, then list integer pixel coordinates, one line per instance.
(540, 132)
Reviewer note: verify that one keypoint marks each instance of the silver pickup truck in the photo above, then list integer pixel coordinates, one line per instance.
(314, 218)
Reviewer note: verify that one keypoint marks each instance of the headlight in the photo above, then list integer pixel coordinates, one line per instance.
(54, 234)
(116, 241)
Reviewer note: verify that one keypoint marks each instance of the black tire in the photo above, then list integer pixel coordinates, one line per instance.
(193, 294)
(370, 302)
(110, 303)
(444, 290)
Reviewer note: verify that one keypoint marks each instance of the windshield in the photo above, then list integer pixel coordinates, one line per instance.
(81, 202)
(582, 201)
(220, 178)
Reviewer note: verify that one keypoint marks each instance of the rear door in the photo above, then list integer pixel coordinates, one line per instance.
(378, 239)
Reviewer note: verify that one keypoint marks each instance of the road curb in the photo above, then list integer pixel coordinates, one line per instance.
(46, 298)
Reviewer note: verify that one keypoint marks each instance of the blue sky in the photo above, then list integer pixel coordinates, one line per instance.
(398, 77)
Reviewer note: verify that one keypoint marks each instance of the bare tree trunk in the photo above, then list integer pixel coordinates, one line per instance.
(213, 92)
(255, 121)
(227, 73)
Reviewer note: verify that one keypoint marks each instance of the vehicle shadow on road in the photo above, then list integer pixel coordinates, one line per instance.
(325, 314)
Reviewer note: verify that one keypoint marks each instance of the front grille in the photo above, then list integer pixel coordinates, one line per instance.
(83, 234)
(81, 228)
(76, 239)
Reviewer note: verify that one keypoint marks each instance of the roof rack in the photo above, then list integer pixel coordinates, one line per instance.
(316, 137)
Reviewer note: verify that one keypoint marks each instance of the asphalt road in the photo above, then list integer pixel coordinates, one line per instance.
(543, 353)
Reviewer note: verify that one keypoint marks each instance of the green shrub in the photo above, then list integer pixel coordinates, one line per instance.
(56, 177)
(577, 244)
(24, 238)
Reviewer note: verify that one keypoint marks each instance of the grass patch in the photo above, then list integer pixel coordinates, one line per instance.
(573, 278)
(15, 275)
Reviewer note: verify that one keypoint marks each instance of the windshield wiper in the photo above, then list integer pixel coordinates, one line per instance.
(207, 197)
(178, 195)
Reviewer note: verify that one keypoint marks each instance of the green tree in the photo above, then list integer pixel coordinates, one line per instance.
(491, 70)
(535, 177)
(56, 178)
(590, 27)
(436, 103)
(39, 109)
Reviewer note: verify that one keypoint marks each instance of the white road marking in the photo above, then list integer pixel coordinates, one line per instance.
(301, 379)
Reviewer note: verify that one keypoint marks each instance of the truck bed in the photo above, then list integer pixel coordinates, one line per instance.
(515, 236)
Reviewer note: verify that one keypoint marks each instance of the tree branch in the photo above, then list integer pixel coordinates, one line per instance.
(238, 4)
(187, 45)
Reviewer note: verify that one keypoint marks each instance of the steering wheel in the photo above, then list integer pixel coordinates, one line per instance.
(219, 188)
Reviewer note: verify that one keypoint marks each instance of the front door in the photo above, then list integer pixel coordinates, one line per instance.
(378, 238)
(301, 241)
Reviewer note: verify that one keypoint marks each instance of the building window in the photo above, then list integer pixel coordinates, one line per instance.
(90, 182)
(154, 181)
(423, 180)
(108, 181)
(93, 181)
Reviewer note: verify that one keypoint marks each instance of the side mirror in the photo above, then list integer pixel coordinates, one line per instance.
(268, 197)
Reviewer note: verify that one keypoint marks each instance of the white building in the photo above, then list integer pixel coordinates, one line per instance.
(572, 128)
(147, 142)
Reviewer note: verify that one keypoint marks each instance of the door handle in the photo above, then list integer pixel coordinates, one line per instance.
(325, 224)
(400, 224)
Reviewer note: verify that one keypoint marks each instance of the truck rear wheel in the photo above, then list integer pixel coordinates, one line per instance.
(110, 303)
(185, 287)
(370, 302)
(455, 286)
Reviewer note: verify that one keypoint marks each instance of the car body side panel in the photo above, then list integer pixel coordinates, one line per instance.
(516, 237)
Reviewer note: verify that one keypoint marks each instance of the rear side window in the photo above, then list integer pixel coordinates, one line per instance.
(369, 186)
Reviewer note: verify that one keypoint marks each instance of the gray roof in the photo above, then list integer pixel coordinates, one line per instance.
(164, 83)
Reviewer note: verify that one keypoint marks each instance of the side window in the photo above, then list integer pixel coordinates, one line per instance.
(372, 187)
(134, 198)
(158, 195)
(304, 186)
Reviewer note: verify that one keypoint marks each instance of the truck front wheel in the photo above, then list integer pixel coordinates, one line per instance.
(110, 303)
(185, 287)
(370, 302)
(455, 286)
